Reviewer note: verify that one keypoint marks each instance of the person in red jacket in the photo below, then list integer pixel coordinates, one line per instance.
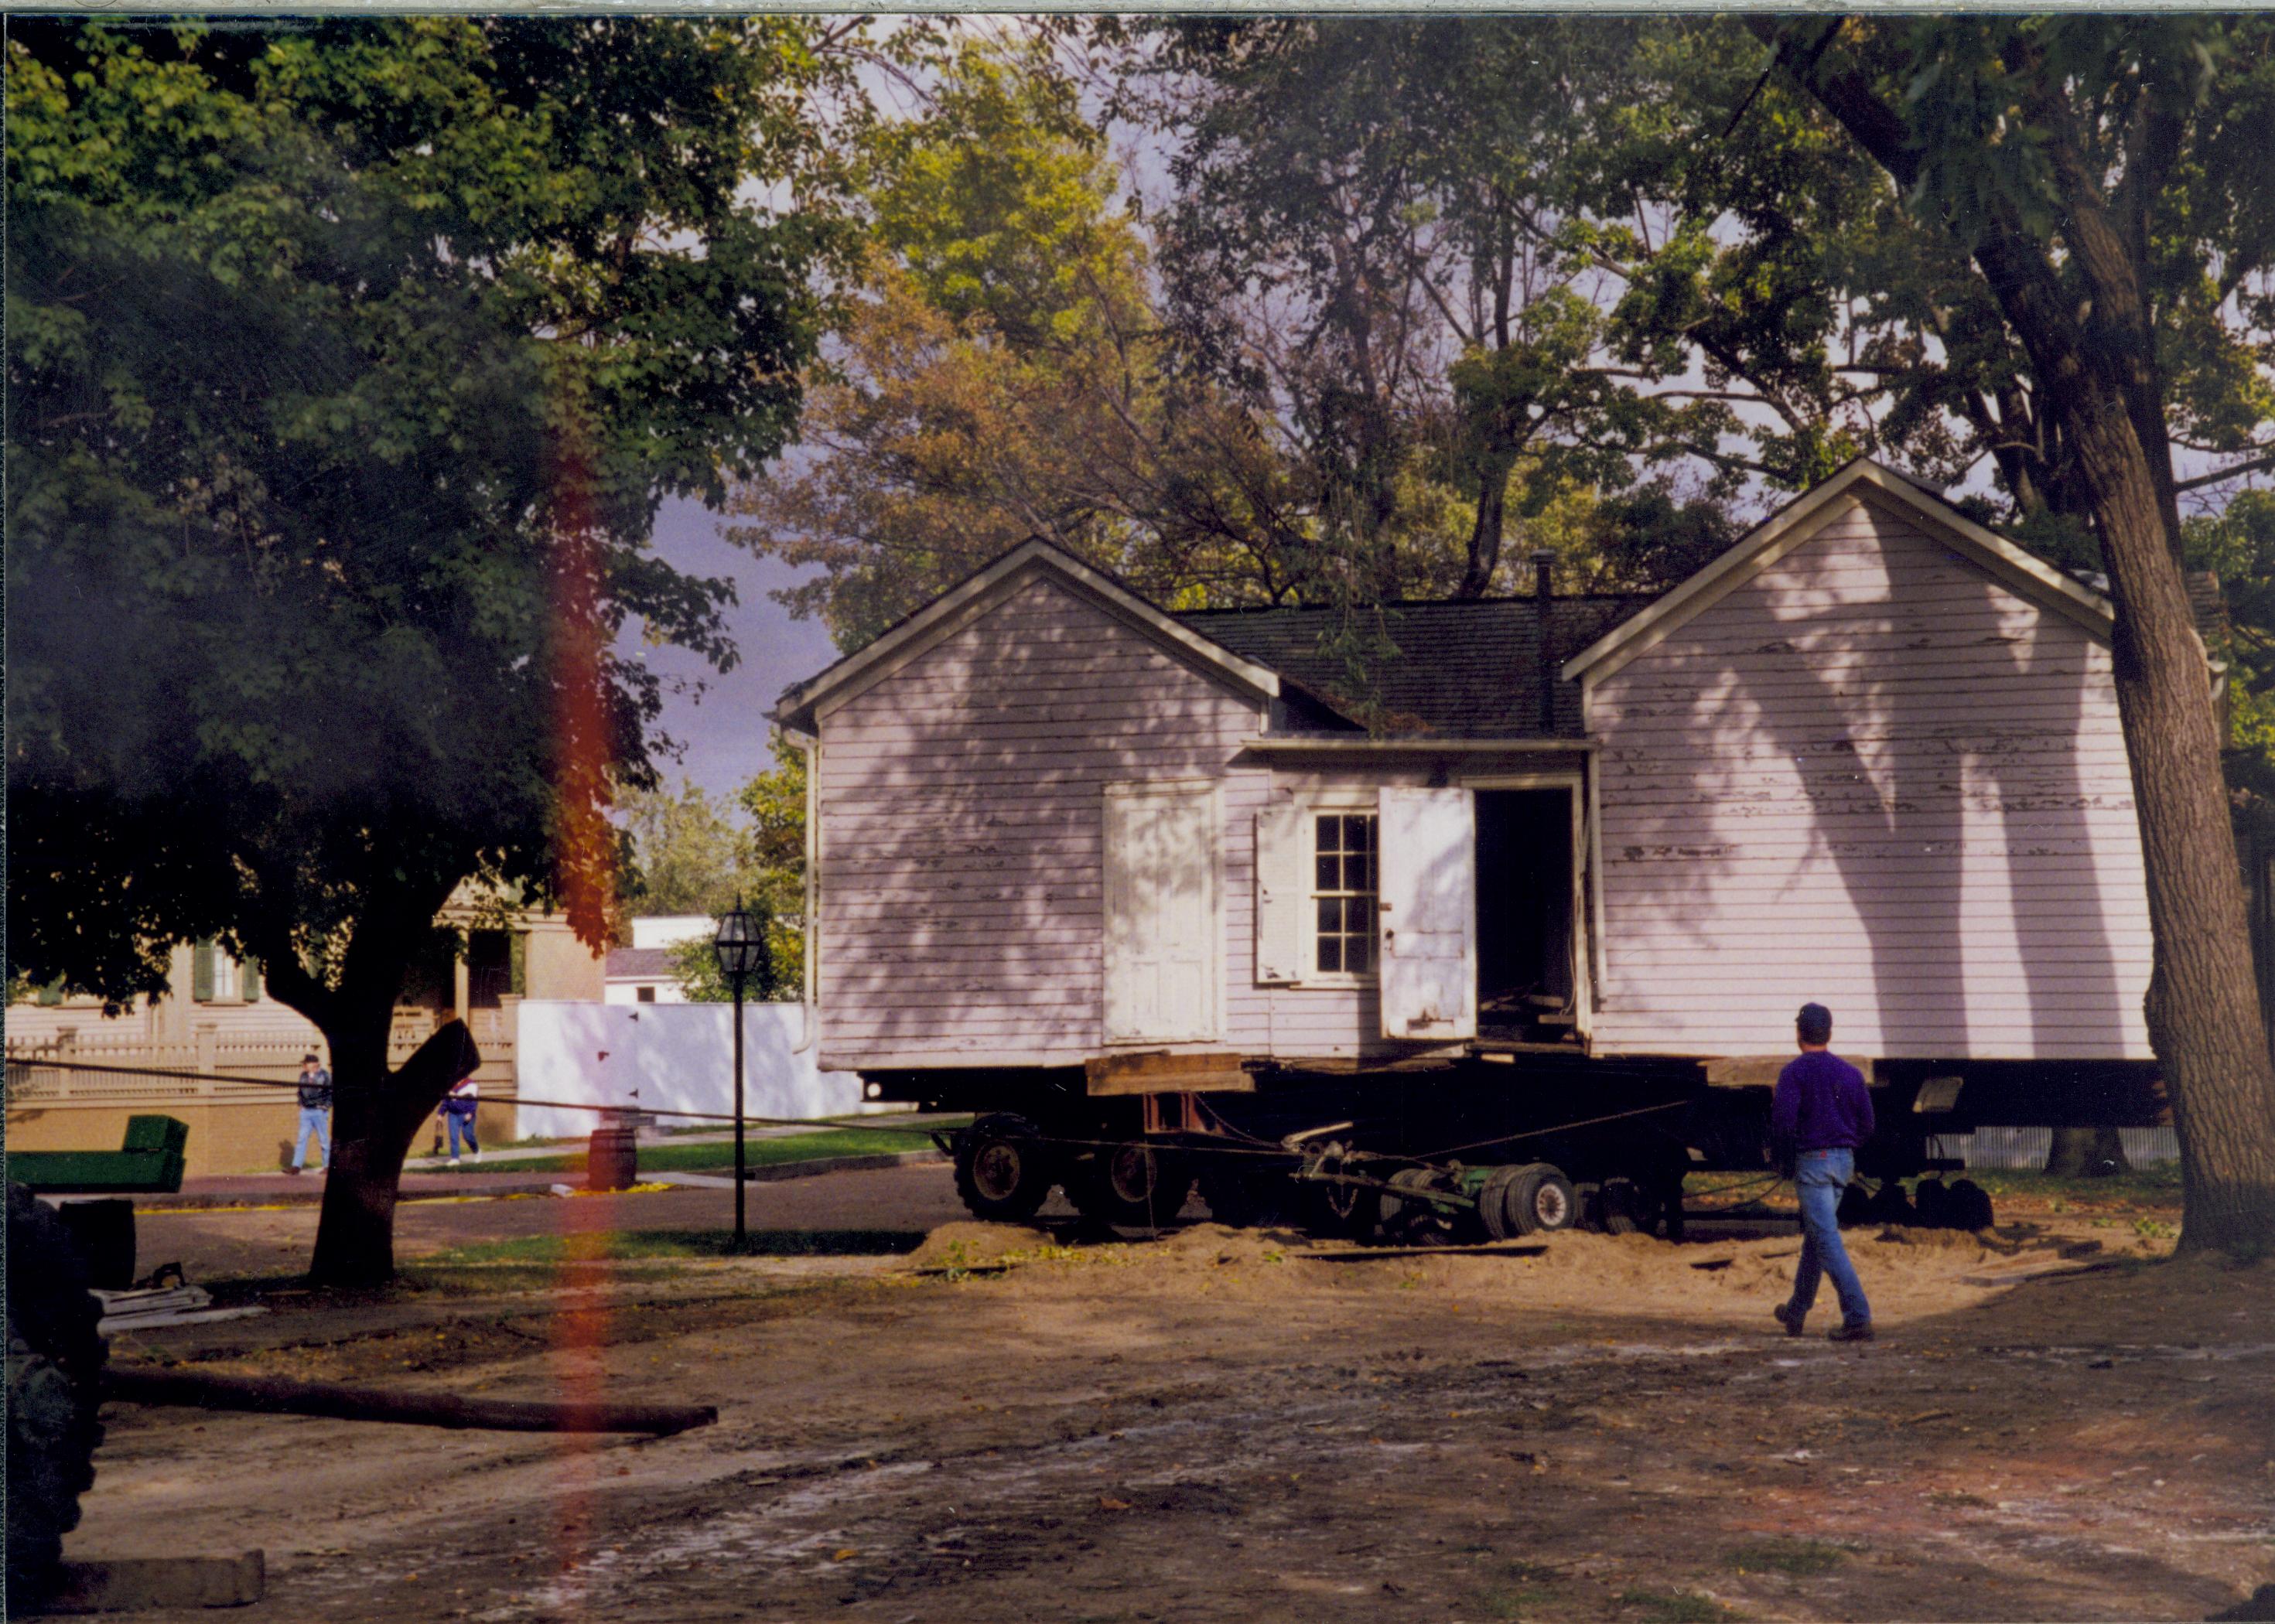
(1821, 1114)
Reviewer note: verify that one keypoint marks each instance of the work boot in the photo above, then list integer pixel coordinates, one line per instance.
(1851, 1334)
(1786, 1317)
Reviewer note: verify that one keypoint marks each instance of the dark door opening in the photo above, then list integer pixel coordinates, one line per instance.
(1524, 913)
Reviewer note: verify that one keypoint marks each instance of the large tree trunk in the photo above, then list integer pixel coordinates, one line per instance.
(2086, 1152)
(375, 1113)
(2091, 360)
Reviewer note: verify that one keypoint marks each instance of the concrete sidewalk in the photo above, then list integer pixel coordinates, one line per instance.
(308, 1188)
(726, 1135)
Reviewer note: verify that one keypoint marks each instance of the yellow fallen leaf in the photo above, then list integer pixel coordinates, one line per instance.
(846, 1555)
(1108, 1503)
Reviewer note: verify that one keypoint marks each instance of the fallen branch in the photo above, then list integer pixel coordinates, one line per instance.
(277, 1396)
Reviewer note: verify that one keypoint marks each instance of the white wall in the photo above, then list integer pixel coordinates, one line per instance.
(626, 990)
(668, 930)
(678, 1057)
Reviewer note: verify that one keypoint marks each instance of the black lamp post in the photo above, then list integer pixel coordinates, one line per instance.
(741, 946)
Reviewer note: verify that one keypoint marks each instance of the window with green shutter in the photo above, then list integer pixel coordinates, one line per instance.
(202, 958)
(249, 982)
(516, 978)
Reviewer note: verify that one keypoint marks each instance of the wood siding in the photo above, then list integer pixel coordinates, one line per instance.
(1873, 777)
(961, 874)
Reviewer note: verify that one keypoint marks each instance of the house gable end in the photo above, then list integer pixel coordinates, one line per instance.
(1801, 521)
(979, 595)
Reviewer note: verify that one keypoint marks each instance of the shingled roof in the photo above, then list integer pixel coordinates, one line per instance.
(1461, 670)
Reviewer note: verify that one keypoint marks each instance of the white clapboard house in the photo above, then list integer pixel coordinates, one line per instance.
(1869, 757)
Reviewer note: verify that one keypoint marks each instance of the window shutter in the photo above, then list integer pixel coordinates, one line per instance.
(1283, 894)
(249, 982)
(516, 964)
(201, 973)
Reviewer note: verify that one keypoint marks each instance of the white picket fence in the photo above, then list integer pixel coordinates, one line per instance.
(574, 1055)
(2026, 1147)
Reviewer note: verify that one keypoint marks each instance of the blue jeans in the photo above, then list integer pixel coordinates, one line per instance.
(1818, 1179)
(316, 1122)
(462, 1125)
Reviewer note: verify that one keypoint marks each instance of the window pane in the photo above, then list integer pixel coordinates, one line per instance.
(1362, 834)
(1360, 872)
(1331, 953)
(1358, 952)
(1329, 834)
(1331, 915)
(1330, 870)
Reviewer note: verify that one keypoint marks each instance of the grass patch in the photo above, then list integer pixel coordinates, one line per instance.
(623, 1245)
(1801, 1558)
(1675, 1607)
(1514, 1603)
(714, 1156)
(2157, 1185)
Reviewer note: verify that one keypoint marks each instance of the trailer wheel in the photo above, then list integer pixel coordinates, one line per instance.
(1003, 1168)
(1131, 1185)
(1492, 1203)
(1621, 1204)
(1409, 1223)
(1856, 1205)
(1968, 1205)
(1932, 1203)
(1539, 1200)
(56, 1356)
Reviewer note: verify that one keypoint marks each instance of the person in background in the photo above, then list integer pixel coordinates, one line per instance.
(315, 1116)
(457, 1113)
(1819, 1116)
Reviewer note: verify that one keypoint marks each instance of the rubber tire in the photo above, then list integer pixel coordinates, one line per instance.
(1492, 1203)
(1622, 1204)
(1104, 1188)
(1004, 1170)
(1856, 1205)
(1891, 1205)
(1539, 1200)
(1967, 1207)
(1414, 1223)
(1931, 1204)
(56, 1356)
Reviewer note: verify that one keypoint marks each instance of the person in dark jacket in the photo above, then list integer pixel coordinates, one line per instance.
(315, 1116)
(1821, 1114)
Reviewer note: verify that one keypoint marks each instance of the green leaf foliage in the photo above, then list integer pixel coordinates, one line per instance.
(349, 362)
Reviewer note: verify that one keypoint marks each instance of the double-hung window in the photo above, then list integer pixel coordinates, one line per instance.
(1343, 892)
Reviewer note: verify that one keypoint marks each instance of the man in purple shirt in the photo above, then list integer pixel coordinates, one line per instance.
(1818, 1116)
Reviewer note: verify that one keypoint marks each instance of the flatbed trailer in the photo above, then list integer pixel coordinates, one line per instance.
(1480, 1147)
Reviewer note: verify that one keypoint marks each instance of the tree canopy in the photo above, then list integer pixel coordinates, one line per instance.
(349, 362)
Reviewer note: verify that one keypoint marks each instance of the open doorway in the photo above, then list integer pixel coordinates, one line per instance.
(1526, 984)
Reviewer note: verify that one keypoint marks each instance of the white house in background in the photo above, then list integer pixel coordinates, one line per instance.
(642, 973)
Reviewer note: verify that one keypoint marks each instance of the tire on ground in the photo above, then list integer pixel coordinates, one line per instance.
(55, 1357)
(1967, 1205)
(1492, 1203)
(1131, 1185)
(1622, 1207)
(1539, 1200)
(1004, 1169)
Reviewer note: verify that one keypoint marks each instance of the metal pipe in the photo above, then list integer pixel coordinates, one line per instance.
(283, 1396)
(1544, 596)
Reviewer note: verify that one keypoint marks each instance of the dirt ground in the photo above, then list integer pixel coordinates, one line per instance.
(1236, 1426)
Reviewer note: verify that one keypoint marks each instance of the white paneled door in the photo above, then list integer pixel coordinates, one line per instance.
(1164, 914)
(1429, 910)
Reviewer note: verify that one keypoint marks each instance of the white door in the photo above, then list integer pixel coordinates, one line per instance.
(1164, 923)
(1428, 855)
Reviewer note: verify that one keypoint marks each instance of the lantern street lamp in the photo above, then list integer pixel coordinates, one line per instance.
(741, 949)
